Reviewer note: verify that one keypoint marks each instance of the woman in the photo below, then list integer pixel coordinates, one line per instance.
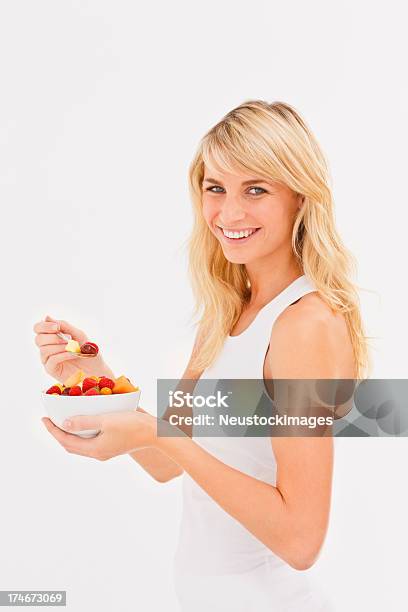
(271, 279)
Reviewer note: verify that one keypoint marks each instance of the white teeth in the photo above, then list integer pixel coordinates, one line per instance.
(241, 234)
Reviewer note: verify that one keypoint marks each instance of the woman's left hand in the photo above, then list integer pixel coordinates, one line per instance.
(120, 433)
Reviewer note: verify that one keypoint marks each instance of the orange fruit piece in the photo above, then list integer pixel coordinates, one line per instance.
(106, 391)
(123, 385)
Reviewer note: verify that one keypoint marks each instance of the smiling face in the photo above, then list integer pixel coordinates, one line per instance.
(250, 216)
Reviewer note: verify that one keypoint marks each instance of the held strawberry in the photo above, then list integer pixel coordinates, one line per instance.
(89, 348)
(93, 344)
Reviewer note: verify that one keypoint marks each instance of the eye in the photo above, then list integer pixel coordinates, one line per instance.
(214, 187)
(259, 193)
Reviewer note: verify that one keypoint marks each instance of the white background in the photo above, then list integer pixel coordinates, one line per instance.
(102, 105)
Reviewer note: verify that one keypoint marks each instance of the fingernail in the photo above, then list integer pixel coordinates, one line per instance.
(67, 424)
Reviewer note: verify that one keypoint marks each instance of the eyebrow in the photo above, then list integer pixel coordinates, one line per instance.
(253, 180)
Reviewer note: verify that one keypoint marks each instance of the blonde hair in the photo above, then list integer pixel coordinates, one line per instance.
(273, 141)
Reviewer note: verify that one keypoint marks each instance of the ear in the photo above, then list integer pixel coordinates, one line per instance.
(300, 200)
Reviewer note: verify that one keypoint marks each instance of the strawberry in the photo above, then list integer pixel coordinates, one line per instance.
(88, 383)
(89, 348)
(75, 390)
(66, 391)
(54, 390)
(106, 382)
(93, 391)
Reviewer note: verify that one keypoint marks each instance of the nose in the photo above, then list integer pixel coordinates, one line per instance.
(231, 211)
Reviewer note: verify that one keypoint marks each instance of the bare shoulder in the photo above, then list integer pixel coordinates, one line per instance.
(310, 340)
(307, 313)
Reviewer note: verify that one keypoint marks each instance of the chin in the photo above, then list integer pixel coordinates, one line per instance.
(238, 258)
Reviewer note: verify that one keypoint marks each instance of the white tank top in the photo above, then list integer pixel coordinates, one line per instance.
(218, 561)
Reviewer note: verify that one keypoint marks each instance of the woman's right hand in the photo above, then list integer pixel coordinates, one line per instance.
(58, 362)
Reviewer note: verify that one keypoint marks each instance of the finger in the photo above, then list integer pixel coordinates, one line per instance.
(46, 327)
(56, 359)
(48, 318)
(74, 332)
(49, 339)
(55, 322)
(53, 350)
(50, 325)
(79, 422)
(61, 436)
(72, 443)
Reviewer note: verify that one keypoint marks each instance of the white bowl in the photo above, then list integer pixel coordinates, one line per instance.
(61, 407)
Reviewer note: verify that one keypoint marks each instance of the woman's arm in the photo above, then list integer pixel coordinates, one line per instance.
(290, 518)
(152, 459)
(156, 463)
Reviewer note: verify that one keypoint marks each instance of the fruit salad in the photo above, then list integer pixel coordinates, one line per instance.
(80, 384)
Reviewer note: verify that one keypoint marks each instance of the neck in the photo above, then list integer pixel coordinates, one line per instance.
(270, 275)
